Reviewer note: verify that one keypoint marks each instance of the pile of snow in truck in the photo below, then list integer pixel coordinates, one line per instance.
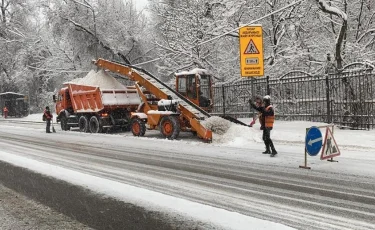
(99, 79)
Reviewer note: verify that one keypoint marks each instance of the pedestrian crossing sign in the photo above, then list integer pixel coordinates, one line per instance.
(330, 147)
(251, 51)
(251, 48)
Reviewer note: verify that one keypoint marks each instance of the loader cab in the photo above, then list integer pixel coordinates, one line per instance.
(196, 86)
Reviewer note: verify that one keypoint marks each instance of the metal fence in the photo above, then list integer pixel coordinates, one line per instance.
(346, 98)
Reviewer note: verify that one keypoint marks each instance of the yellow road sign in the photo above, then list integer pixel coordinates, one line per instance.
(251, 51)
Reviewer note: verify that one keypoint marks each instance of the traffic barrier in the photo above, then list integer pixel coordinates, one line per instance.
(314, 143)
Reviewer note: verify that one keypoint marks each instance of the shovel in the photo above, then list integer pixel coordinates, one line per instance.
(53, 128)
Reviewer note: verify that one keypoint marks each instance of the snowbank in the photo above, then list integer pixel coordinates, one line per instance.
(100, 79)
(294, 132)
(217, 125)
(231, 134)
(238, 136)
(37, 117)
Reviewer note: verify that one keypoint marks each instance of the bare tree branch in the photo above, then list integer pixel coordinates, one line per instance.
(122, 56)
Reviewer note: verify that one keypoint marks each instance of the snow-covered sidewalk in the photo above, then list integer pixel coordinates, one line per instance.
(293, 133)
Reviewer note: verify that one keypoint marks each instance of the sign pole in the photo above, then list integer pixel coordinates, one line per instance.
(252, 93)
(305, 166)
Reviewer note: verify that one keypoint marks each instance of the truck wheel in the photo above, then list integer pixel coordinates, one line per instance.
(170, 127)
(138, 127)
(83, 124)
(64, 124)
(95, 126)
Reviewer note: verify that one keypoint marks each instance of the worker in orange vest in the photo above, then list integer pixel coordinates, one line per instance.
(268, 118)
(5, 112)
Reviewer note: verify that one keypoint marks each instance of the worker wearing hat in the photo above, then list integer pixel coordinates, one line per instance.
(268, 118)
(47, 116)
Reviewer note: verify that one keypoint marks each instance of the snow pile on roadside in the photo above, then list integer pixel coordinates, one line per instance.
(217, 125)
(238, 136)
(100, 79)
(36, 117)
(231, 134)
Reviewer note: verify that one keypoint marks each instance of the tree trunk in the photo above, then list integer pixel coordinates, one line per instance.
(325, 7)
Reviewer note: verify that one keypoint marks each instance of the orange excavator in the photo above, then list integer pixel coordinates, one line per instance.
(164, 108)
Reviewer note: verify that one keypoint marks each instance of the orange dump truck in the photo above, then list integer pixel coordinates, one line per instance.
(93, 109)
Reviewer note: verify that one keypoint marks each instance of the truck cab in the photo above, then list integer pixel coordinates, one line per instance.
(196, 85)
(63, 102)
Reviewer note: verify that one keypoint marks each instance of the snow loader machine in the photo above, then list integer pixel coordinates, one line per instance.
(162, 107)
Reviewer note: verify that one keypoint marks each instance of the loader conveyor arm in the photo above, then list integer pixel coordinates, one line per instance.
(189, 110)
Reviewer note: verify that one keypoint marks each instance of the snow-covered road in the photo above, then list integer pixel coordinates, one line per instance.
(236, 179)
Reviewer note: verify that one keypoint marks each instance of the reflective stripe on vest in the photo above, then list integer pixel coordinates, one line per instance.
(269, 120)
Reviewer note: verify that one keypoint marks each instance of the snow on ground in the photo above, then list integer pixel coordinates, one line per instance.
(294, 132)
(284, 132)
(217, 125)
(215, 217)
(36, 117)
(238, 142)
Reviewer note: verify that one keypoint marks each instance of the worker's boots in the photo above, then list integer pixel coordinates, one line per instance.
(274, 152)
(267, 151)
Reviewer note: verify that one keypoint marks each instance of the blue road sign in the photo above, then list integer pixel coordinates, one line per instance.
(313, 141)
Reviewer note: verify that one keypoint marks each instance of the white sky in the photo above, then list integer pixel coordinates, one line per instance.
(140, 3)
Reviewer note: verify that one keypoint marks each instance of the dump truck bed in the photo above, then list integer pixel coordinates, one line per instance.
(91, 99)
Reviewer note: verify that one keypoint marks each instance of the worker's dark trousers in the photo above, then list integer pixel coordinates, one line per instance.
(267, 139)
(48, 130)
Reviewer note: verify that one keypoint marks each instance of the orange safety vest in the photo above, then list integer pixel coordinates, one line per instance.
(269, 120)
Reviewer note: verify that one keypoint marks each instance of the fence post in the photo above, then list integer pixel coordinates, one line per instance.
(223, 93)
(268, 85)
(329, 118)
(252, 92)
